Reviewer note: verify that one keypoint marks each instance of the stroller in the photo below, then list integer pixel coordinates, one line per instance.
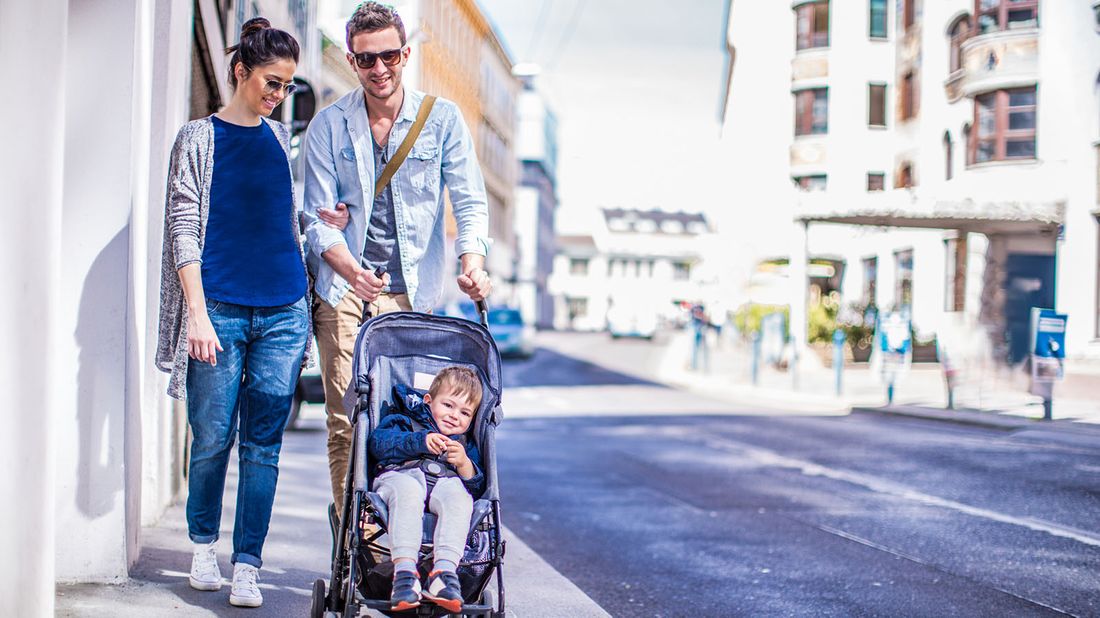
(396, 348)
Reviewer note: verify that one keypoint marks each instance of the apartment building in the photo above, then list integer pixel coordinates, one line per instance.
(942, 154)
(651, 259)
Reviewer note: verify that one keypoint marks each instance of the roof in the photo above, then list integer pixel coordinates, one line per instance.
(656, 221)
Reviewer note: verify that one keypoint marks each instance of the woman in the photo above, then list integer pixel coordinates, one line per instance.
(234, 321)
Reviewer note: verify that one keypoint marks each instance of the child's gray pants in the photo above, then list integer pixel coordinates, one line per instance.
(404, 492)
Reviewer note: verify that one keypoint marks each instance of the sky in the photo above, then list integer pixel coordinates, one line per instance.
(635, 85)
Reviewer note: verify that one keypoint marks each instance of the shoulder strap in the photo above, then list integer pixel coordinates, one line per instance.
(406, 145)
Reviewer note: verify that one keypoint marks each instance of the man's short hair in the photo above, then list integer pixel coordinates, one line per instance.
(373, 17)
(460, 381)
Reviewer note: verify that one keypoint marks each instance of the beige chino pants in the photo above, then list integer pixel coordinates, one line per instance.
(336, 329)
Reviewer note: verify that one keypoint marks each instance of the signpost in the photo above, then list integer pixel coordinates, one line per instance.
(895, 346)
(1048, 353)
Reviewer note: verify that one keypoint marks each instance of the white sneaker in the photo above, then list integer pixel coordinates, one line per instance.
(246, 591)
(205, 574)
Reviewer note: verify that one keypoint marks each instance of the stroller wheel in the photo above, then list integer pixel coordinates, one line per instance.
(317, 607)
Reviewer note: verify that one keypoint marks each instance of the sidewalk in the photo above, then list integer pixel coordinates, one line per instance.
(296, 553)
(995, 394)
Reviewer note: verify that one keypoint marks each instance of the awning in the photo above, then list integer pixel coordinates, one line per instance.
(903, 210)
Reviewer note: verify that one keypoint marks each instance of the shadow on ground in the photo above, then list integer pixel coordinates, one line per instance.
(549, 368)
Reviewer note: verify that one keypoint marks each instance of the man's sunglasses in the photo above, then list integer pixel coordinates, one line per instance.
(366, 60)
(272, 86)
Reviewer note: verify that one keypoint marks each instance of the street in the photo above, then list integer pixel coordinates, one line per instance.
(645, 500)
(711, 514)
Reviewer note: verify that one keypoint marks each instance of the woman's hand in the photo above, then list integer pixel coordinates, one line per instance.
(202, 341)
(335, 217)
(437, 443)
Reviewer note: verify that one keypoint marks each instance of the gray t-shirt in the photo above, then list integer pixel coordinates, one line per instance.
(381, 247)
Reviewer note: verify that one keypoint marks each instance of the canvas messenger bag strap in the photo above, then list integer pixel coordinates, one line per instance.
(405, 147)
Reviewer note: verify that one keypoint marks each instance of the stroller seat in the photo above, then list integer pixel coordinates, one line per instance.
(482, 508)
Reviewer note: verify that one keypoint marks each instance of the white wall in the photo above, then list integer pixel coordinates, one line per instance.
(1069, 128)
(32, 42)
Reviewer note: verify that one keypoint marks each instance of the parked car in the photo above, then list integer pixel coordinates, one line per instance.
(631, 320)
(310, 389)
(513, 336)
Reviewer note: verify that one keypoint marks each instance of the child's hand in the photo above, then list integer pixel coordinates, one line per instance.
(455, 453)
(457, 457)
(436, 443)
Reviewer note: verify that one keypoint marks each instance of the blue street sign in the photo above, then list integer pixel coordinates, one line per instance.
(1048, 331)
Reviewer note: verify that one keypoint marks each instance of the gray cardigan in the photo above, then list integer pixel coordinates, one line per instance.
(186, 207)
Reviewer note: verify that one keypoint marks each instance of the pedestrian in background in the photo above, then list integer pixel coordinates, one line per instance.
(234, 320)
(396, 215)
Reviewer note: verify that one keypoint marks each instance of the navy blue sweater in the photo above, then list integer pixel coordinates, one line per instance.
(395, 441)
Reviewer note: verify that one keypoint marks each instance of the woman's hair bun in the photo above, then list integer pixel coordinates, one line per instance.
(254, 25)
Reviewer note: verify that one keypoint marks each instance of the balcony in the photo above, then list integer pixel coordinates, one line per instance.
(997, 60)
(808, 155)
(810, 66)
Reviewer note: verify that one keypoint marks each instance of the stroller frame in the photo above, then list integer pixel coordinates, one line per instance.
(354, 548)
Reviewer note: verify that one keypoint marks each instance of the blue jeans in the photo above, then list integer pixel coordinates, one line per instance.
(248, 393)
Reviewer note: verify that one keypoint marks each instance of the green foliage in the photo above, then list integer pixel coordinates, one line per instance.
(748, 316)
(822, 318)
(858, 323)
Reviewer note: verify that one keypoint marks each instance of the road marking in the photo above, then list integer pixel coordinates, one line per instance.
(770, 458)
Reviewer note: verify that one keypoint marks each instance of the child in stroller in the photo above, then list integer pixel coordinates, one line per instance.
(425, 458)
(395, 355)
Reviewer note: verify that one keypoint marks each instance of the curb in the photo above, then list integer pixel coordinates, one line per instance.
(989, 419)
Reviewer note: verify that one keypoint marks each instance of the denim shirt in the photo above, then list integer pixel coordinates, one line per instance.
(339, 167)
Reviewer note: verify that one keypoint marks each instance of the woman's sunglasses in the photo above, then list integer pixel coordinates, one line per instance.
(390, 57)
(272, 86)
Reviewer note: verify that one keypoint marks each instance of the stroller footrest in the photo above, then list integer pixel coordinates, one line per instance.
(384, 605)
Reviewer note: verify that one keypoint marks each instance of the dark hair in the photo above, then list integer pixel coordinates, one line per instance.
(372, 17)
(260, 44)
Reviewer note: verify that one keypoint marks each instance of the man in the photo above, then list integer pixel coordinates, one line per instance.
(402, 230)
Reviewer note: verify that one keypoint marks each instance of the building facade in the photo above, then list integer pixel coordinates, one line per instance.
(93, 448)
(652, 259)
(536, 201)
(942, 154)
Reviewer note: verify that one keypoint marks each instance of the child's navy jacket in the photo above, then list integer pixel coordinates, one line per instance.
(396, 440)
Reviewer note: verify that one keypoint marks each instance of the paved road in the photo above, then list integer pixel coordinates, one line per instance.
(730, 512)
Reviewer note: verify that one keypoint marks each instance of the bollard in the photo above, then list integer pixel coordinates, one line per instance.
(756, 358)
(1048, 409)
(838, 359)
(890, 393)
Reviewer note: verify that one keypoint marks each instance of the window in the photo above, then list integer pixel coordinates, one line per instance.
(876, 105)
(958, 33)
(578, 266)
(954, 297)
(994, 15)
(811, 111)
(870, 280)
(577, 307)
(812, 25)
(948, 156)
(1005, 128)
(877, 10)
(903, 279)
(908, 14)
(876, 181)
(908, 96)
(904, 179)
(681, 271)
(815, 182)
